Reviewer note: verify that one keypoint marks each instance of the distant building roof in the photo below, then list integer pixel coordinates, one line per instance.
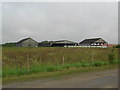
(91, 40)
(25, 40)
(63, 41)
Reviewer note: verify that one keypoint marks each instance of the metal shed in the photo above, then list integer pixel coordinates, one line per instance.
(93, 42)
(63, 43)
(27, 42)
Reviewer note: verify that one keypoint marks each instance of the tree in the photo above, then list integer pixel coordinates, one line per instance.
(9, 45)
(117, 46)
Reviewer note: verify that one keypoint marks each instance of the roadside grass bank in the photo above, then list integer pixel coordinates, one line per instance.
(56, 74)
(36, 68)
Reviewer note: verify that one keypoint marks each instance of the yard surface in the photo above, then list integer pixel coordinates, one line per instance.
(97, 79)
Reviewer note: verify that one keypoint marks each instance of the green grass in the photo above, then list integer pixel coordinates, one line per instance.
(56, 74)
(36, 68)
(18, 62)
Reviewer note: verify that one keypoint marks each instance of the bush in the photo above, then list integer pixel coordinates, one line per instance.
(98, 64)
(85, 64)
(111, 58)
(117, 46)
(50, 69)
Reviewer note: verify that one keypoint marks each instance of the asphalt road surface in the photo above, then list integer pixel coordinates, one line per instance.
(98, 79)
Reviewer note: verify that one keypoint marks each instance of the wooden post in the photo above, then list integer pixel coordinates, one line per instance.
(83, 59)
(63, 60)
(92, 55)
(40, 59)
(107, 45)
(16, 63)
(28, 67)
(28, 63)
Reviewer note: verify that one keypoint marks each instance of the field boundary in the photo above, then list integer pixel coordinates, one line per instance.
(56, 74)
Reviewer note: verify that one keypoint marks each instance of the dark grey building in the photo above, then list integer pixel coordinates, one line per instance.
(45, 44)
(27, 42)
(63, 43)
(94, 42)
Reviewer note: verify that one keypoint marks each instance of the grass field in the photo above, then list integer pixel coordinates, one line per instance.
(22, 61)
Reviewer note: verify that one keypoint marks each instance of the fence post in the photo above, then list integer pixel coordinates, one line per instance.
(28, 63)
(16, 63)
(92, 55)
(83, 59)
(63, 60)
(40, 60)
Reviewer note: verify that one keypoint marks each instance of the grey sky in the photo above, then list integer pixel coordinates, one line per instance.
(58, 21)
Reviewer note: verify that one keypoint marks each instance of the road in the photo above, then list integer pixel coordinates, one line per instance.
(98, 79)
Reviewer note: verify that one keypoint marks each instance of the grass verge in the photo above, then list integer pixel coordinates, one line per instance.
(35, 68)
(71, 70)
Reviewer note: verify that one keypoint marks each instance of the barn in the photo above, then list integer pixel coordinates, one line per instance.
(27, 42)
(94, 42)
(45, 44)
(63, 43)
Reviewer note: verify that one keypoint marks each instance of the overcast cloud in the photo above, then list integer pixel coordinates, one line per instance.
(60, 21)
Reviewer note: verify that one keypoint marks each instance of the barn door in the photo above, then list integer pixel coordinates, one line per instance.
(29, 44)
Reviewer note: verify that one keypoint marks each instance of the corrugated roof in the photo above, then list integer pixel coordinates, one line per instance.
(63, 41)
(91, 40)
(25, 39)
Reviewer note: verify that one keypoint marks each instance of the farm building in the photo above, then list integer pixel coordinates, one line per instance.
(63, 43)
(94, 42)
(27, 42)
(45, 44)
